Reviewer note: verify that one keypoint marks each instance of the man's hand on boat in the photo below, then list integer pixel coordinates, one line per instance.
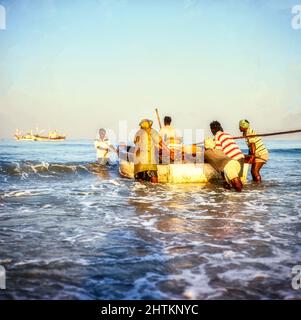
(249, 158)
(165, 148)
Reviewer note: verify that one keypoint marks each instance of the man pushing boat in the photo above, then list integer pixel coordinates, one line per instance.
(258, 153)
(227, 167)
(225, 142)
(146, 154)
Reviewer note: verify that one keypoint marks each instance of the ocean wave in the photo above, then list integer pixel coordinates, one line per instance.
(287, 151)
(45, 169)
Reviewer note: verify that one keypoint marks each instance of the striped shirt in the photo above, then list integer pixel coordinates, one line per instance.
(225, 142)
(260, 148)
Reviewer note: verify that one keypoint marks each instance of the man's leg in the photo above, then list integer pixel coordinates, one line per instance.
(153, 175)
(226, 184)
(150, 176)
(231, 173)
(237, 184)
(154, 180)
(255, 171)
(138, 176)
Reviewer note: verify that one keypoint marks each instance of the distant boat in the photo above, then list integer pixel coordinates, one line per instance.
(52, 136)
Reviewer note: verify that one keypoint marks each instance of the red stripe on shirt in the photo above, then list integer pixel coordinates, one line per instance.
(229, 144)
(238, 153)
(234, 148)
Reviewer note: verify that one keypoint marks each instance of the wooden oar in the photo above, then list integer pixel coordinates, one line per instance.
(158, 117)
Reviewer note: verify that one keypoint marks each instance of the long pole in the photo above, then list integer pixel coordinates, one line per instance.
(261, 135)
(158, 117)
(267, 134)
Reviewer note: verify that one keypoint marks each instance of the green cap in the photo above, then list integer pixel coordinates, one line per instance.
(244, 124)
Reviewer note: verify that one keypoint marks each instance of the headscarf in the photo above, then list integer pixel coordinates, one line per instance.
(244, 124)
(146, 124)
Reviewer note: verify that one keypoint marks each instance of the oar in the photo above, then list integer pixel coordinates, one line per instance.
(158, 117)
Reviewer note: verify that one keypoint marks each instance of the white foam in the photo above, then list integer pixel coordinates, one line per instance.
(242, 275)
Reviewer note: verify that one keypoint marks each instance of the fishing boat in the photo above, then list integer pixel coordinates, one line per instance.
(186, 172)
(51, 136)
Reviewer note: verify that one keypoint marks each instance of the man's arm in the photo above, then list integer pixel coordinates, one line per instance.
(112, 148)
(164, 147)
(102, 148)
(218, 144)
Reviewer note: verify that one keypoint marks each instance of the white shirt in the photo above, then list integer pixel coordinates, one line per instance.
(167, 132)
(102, 148)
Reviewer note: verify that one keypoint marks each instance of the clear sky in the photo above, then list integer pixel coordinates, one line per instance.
(77, 65)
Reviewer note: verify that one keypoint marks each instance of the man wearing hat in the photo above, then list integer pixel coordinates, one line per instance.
(147, 144)
(258, 153)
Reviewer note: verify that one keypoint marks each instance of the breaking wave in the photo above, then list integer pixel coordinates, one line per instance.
(26, 168)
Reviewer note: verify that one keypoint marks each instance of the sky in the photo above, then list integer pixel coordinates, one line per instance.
(78, 65)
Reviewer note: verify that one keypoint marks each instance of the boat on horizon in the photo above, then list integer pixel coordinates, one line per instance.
(52, 135)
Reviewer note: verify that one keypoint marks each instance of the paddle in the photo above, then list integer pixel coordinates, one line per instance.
(158, 117)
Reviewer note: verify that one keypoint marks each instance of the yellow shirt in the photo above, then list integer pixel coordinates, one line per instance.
(146, 155)
(260, 148)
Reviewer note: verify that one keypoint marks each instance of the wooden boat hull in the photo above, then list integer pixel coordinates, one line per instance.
(179, 173)
(49, 139)
(24, 139)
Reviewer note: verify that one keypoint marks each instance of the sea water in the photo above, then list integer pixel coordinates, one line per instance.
(72, 230)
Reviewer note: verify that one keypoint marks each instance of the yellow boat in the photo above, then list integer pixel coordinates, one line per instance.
(177, 172)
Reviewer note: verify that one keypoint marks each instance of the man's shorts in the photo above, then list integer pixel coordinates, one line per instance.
(262, 158)
(146, 175)
(232, 170)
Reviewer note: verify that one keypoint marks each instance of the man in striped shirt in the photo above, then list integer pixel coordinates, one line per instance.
(258, 153)
(228, 168)
(225, 142)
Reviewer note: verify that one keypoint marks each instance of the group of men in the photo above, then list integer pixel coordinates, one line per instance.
(221, 151)
(225, 156)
